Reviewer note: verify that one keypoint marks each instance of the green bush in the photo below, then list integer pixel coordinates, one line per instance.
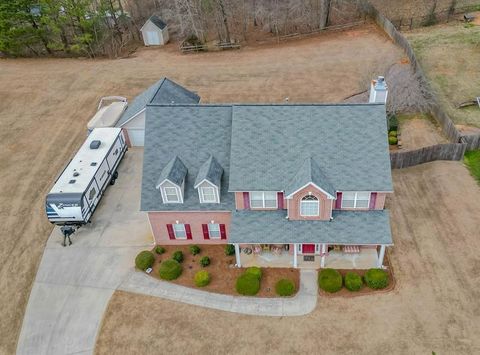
(254, 270)
(353, 281)
(170, 270)
(330, 280)
(285, 287)
(205, 261)
(144, 260)
(202, 278)
(392, 133)
(159, 250)
(247, 284)
(194, 249)
(392, 140)
(392, 123)
(229, 249)
(376, 278)
(178, 256)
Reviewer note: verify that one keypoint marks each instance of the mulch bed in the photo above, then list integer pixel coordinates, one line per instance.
(365, 290)
(222, 271)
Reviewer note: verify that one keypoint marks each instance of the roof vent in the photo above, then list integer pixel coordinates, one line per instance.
(93, 164)
(72, 181)
(95, 144)
(76, 173)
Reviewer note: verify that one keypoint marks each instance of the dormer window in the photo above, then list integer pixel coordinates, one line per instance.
(207, 194)
(309, 206)
(171, 194)
(208, 181)
(172, 181)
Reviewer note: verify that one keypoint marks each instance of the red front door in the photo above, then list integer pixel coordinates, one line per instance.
(308, 248)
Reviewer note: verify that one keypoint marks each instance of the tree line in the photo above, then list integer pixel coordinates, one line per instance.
(107, 27)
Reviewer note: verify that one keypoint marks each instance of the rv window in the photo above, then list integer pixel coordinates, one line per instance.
(92, 194)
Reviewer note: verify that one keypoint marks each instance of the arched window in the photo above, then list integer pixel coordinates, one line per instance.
(309, 206)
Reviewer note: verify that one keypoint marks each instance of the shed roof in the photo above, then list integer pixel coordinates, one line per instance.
(157, 22)
(347, 227)
(164, 91)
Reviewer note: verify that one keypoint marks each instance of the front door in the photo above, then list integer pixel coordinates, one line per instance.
(308, 248)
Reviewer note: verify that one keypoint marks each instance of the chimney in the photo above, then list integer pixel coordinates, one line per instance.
(378, 91)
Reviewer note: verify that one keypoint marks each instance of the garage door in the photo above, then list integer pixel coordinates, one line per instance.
(136, 137)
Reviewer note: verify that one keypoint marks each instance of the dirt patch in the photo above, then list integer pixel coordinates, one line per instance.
(418, 131)
(222, 271)
(434, 306)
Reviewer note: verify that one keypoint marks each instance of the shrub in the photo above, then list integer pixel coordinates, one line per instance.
(159, 250)
(202, 278)
(170, 270)
(392, 123)
(255, 271)
(353, 281)
(144, 260)
(205, 261)
(376, 278)
(285, 287)
(229, 249)
(194, 249)
(392, 140)
(178, 256)
(392, 133)
(330, 280)
(247, 284)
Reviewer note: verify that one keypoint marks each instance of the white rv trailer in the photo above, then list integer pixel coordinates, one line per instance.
(79, 188)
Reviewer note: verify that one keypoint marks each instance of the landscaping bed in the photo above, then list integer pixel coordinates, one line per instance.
(223, 273)
(364, 290)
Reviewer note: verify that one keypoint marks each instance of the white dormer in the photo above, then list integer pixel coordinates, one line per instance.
(172, 181)
(171, 193)
(208, 181)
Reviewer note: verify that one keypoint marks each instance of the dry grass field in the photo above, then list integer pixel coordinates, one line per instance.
(449, 55)
(434, 306)
(46, 103)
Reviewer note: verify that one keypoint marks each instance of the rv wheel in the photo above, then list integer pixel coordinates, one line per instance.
(112, 182)
(115, 174)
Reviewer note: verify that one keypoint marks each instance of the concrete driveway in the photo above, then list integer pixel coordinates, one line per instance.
(74, 284)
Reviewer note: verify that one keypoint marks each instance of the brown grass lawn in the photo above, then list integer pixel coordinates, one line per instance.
(46, 103)
(222, 271)
(450, 57)
(434, 306)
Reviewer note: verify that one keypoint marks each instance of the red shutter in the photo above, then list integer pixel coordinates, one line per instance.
(223, 233)
(246, 200)
(280, 200)
(373, 200)
(171, 235)
(205, 231)
(188, 231)
(338, 202)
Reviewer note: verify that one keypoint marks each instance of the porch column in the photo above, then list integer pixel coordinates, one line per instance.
(381, 255)
(237, 255)
(295, 262)
(322, 260)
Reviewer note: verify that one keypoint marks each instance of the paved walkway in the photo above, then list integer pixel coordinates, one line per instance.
(303, 303)
(74, 284)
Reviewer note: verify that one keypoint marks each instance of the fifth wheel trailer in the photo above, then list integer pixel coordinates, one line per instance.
(79, 188)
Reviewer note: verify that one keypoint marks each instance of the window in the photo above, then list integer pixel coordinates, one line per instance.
(263, 199)
(171, 194)
(208, 195)
(355, 199)
(179, 231)
(214, 230)
(309, 206)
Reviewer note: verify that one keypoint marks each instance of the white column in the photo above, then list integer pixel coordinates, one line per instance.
(381, 255)
(324, 250)
(237, 255)
(295, 262)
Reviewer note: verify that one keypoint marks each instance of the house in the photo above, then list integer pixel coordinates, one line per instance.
(164, 91)
(154, 32)
(288, 185)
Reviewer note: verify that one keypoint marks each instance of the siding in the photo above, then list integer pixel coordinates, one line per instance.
(239, 205)
(159, 220)
(325, 204)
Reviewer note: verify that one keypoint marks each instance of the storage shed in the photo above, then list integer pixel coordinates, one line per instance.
(163, 92)
(155, 32)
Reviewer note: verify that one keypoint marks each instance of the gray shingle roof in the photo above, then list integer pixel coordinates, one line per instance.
(310, 172)
(158, 22)
(163, 91)
(193, 133)
(211, 171)
(360, 228)
(348, 142)
(175, 171)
